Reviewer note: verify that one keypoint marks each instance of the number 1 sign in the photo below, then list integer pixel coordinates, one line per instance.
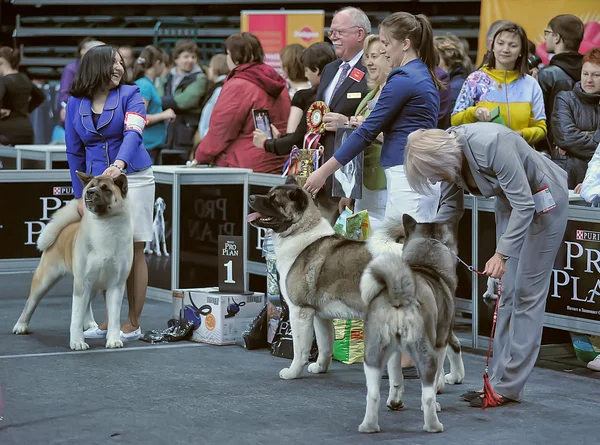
(231, 264)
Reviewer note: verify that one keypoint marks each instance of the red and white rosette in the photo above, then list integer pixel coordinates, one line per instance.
(315, 123)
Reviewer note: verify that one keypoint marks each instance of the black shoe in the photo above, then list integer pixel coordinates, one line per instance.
(471, 395)
(409, 373)
(478, 402)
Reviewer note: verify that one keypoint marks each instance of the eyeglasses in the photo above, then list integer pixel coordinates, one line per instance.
(339, 32)
(548, 31)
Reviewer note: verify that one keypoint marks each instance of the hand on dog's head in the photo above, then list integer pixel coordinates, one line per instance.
(120, 181)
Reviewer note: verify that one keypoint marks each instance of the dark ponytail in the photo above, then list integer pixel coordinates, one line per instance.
(148, 57)
(427, 51)
(11, 55)
(417, 29)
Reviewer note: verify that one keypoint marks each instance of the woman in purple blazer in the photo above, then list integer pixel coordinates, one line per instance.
(103, 132)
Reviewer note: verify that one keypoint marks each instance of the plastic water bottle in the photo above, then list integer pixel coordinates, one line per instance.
(268, 253)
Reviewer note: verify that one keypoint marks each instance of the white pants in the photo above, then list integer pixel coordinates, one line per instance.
(374, 202)
(402, 199)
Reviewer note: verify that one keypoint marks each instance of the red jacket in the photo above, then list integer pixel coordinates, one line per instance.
(228, 142)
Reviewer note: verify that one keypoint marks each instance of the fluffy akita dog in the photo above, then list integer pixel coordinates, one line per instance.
(320, 274)
(97, 249)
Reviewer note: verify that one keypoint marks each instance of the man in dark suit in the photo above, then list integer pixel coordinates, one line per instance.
(343, 86)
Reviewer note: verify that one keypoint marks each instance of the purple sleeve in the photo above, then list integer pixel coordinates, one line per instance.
(445, 101)
(66, 80)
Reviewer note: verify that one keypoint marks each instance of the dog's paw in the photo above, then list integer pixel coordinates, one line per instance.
(20, 328)
(288, 374)
(454, 378)
(435, 427)
(395, 405)
(167, 254)
(368, 428)
(316, 368)
(441, 384)
(438, 407)
(116, 343)
(157, 253)
(79, 345)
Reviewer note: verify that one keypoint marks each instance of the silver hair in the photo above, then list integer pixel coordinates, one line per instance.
(493, 28)
(431, 155)
(357, 18)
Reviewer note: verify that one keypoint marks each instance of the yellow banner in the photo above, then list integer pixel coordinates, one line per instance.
(276, 29)
(534, 16)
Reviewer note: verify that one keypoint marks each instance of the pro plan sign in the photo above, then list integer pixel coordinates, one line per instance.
(575, 286)
(231, 264)
(26, 209)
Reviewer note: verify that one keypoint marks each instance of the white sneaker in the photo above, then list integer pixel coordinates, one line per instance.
(594, 365)
(135, 335)
(95, 333)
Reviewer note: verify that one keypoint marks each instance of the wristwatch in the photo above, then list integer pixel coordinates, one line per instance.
(505, 258)
(123, 170)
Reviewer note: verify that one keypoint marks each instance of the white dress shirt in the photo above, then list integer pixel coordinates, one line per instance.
(329, 90)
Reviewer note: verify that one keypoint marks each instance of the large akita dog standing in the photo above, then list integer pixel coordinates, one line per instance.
(97, 249)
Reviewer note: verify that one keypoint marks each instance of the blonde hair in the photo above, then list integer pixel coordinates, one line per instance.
(431, 154)
(369, 40)
(452, 51)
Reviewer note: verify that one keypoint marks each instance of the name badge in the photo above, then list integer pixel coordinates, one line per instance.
(353, 96)
(543, 200)
(356, 75)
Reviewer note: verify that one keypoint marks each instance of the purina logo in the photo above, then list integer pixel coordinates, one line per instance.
(60, 191)
(586, 235)
(306, 34)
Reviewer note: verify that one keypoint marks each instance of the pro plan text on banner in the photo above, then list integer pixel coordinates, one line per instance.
(534, 16)
(26, 209)
(276, 29)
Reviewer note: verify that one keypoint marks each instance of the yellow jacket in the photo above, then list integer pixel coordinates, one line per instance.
(520, 100)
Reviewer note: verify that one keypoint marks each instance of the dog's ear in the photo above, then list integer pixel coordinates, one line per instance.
(291, 179)
(299, 196)
(84, 177)
(121, 182)
(409, 224)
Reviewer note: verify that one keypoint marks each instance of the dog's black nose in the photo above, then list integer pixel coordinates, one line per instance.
(91, 192)
(251, 199)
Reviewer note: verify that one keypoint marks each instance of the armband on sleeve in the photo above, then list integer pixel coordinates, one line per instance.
(135, 122)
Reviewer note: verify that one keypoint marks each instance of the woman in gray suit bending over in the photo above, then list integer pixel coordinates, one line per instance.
(532, 203)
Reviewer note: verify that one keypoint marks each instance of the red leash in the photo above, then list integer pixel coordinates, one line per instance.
(490, 398)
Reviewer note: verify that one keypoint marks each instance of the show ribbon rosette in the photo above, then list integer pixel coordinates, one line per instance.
(303, 161)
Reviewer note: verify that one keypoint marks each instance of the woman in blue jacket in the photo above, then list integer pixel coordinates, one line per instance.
(103, 133)
(409, 101)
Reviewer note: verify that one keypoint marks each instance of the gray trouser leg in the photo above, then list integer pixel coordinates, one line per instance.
(523, 330)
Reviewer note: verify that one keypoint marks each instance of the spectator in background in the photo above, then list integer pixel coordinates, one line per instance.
(217, 73)
(147, 67)
(444, 89)
(374, 193)
(251, 84)
(489, 39)
(126, 52)
(454, 61)
(314, 59)
(291, 64)
(18, 97)
(576, 119)
(68, 74)
(183, 91)
(504, 84)
(563, 38)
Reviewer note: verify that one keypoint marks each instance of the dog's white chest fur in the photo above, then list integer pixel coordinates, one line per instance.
(287, 249)
(104, 249)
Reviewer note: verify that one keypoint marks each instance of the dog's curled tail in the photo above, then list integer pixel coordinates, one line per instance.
(60, 219)
(388, 271)
(388, 239)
